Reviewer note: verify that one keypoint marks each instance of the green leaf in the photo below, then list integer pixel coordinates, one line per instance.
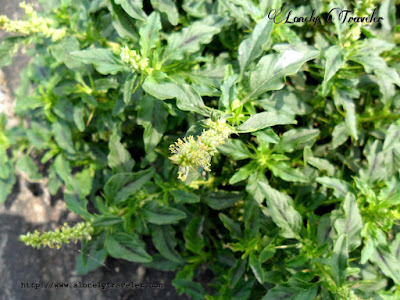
(386, 77)
(395, 247)
(255, 266)
(149, 34)
(87, 262)
(103, 60)
(119, 159)
(76, 204)
(195, 8)
(376, 169)
(232, 226)
(27, 165)
(185, 196)
(286, 102)
(160, 215)
(78, 117)
(285, 172)
(194, 289)
(232, 9)
(128, 247)
(387, 262)
(252, 47)
(4, 163)
(82, 182)
(387, 11)
(162, 87)
(122, 22)
(63, 136)
(159, 262)
(279, 292)
(299, 260)
(194, 235)
(253, 187)
(243, 173)
(296, 139)
(319, 163)
(129, 87)
(6, 185)
(334, 60)
(64, 109)
(221, 200)
(236, 273)
(367, 251)
(267, 253)
(325, 231)
(123, 185)
(351, 225)
(308, 294)
(192, 37)
(266, 136)
(133, 8)
(343, 98)
(392, 138)
(106, 220)
(165, 242)
(8, 48)
(341, 187)
(39, 135)
(271, 69)
(229, 92)
(61, 52)
(282, 211)
(263, 120)
(340, 135)
(235, 148)
(168, 7)
(339, 259)
(63, 169)
(152, 116)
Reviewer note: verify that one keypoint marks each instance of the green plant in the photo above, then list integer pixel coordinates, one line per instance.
(268, 153)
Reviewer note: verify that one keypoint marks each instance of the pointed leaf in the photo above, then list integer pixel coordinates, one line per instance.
(119, 159)
(252, 47)
(282, 211)
(165, 242)
(192, 37)
(120, 186)
(160, 215)
(265, 119)
(149, 34)
(133, 8)
(128, 247)
(221, 200)
(103, 60)
(162, 87)
(339, 260)
(168, 7)
(271, 69)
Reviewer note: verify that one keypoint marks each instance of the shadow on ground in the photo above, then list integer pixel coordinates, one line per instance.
(25, 272)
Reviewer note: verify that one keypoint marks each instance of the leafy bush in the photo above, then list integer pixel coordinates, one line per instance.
(200, 134)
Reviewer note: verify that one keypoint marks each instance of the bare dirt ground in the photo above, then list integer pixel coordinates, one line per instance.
(26, 272)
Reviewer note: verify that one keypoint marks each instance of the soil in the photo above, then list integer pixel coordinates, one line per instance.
(27, 273)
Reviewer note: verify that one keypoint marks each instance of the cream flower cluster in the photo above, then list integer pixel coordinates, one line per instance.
(191, 153)
(58, 237)
(132, 58)
(362, 8)
(32, 25)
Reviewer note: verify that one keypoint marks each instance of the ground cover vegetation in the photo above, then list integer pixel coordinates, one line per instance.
(218, 135)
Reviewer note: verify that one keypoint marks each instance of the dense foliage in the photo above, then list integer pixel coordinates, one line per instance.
(200, 134)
